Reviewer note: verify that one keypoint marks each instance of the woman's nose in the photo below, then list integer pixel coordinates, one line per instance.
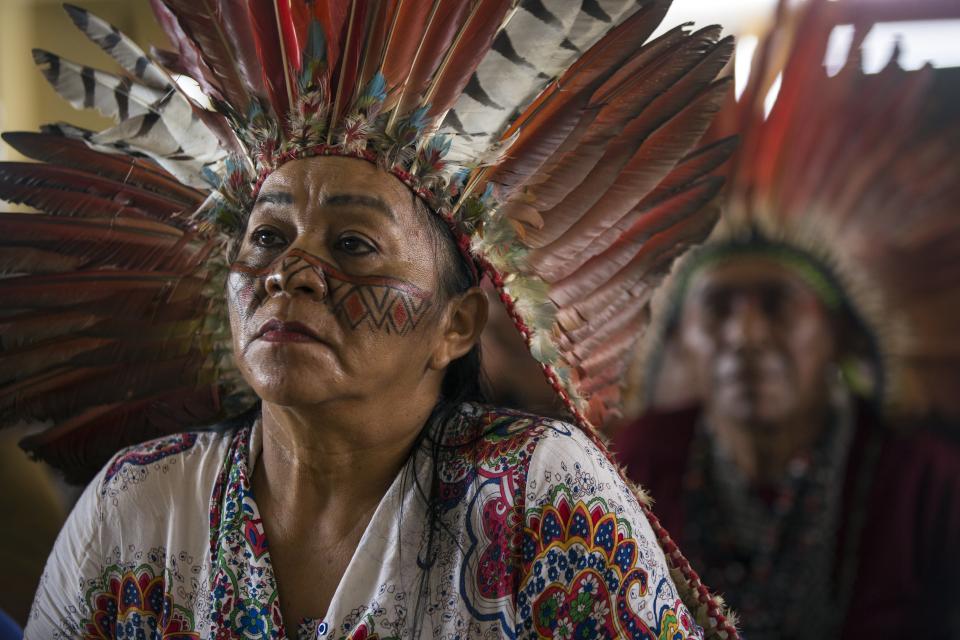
(293, 275)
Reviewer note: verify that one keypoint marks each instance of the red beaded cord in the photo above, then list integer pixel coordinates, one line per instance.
(716, 617)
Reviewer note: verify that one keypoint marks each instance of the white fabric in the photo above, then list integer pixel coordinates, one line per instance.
(539, 530)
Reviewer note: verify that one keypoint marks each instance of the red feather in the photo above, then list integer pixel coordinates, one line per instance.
(112, 242)
(332, 16)
(227, 46)
(585, 344)
(118, 315)
(270, 51)
(17, 179)
(56, 394)
(556, 112)
(189, 59)
(377, 40)
(445, 20)
(347, 71)
(82, 444)
(471, 44)
(67, 203)
(288, 19)
(402, 37)
(652, 261)
(119, 288)
(664, 85)
(66, 152)
(695, 166)
(622, 177)
(590, 271)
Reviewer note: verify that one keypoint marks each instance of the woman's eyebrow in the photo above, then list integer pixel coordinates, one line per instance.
(356, 199)
(274, 197)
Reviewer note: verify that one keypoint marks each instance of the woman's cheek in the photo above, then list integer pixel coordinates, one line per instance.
(381, 305)
(242, 296)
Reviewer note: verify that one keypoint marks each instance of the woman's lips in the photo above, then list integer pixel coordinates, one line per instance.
(279, 331)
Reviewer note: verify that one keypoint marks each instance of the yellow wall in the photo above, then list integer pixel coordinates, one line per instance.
(26, 100)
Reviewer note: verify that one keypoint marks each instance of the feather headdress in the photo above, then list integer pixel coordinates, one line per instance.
(860, 171)
(559, 145)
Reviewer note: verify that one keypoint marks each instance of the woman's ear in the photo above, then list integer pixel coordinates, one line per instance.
(465, 320)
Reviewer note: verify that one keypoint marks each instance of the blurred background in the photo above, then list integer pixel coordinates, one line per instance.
(35, 502)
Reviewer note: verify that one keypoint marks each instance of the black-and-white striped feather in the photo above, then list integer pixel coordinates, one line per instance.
(120, 47)
(157, 122)
(183, 145)
(541, 39)
(84, 87)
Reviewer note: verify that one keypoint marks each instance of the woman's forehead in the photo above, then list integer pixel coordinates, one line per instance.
(337, 181)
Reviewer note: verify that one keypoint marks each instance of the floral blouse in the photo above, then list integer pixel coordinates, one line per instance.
(540, 538)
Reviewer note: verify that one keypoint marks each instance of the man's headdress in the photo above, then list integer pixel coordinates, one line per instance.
(559, 146)
(855, 175)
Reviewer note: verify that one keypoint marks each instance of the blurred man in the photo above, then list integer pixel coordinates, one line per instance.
(815, 336)
(812, 518)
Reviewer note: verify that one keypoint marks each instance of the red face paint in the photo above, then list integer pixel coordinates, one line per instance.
(380, 303)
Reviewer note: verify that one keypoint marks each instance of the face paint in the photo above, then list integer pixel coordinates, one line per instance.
(244, 289)
(380, 303)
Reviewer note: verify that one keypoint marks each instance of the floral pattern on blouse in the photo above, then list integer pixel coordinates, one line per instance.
(538, 537)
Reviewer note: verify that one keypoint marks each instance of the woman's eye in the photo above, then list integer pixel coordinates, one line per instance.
(267, 238)
(354, 246)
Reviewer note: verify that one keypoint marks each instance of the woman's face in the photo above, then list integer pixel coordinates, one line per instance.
(334, 291)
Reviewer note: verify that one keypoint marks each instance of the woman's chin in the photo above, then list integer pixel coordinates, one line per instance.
(293, 394)
(293, 385)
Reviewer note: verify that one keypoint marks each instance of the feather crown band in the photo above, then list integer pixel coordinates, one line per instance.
(562, 148)
(401, 146)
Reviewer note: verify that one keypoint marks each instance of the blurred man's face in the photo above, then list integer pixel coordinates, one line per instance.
(758, 340)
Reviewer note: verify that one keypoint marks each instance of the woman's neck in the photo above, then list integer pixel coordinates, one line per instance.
(321, 473)
(320, 464)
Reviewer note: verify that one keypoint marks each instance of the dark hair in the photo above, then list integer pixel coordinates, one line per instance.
(462, 382)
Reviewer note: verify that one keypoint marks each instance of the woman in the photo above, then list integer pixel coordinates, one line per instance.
(395, 503)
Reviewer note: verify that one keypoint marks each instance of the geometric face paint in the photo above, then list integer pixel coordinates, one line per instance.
(379, 303)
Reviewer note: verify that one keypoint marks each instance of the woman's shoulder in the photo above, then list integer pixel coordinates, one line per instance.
(485, 432)
(163, 469)
(496, 438)
(585, 547)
